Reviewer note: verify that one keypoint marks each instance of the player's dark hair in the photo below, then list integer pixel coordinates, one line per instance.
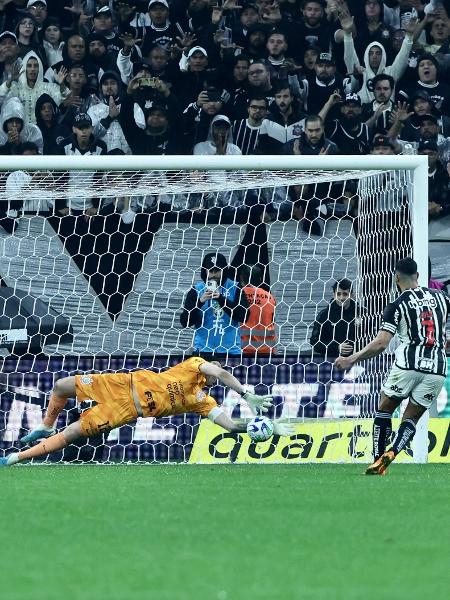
(407, 267)
(343, 284)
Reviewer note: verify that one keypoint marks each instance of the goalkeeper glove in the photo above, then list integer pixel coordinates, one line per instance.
(257, 403)
(285, 429)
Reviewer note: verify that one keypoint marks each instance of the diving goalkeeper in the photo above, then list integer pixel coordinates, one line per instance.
(123, 397)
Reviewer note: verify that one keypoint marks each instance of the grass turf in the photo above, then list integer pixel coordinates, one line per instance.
(310, 532)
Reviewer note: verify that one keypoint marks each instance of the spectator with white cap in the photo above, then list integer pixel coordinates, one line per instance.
(103, 23)
(193, 76)
(160, 31)
(9, 55)
(38, 9)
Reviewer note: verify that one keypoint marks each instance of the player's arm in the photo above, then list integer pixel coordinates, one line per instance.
(373, 348)
(255, 401)
(220, 418)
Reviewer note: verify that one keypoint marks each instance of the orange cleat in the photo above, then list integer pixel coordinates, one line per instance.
(380, 466)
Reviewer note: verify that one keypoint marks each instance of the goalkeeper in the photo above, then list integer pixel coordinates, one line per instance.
(123, 397)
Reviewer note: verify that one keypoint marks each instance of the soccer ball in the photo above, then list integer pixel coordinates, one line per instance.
(260, 429)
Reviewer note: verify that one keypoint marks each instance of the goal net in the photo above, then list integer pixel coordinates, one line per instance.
(98, 255)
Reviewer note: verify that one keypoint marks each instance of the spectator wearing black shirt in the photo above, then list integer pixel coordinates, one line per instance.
(249, 16)
(9, 55)
(47, 113)
(255, 41)
(103, 23)
(259, 83)
(308, 199)
(83, 143)
(314, 30)
(161, 134)
(316, 91)
(285, 111)
(349, 132)
(98, 53)
(438, 181)
(377, 113)
(74, 54)
(408, 125)
(160, 32)
(198, 115)
(428, 79)
(193, 76)
(333, 331)
(256, 134)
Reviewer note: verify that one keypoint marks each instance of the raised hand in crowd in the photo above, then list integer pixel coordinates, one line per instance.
(184, 43)
(231, 5)
(76, 9)
(271, 14)
(347, 22)
(114, 109)
(72, 100)
(221, 143)
(14, 136)
(129, 42)
(400, 113)
(16, 72)
(60, 76)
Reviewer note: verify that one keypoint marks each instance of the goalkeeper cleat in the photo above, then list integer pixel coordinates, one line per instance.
(38, 434)
(7, 461)
(379, 467)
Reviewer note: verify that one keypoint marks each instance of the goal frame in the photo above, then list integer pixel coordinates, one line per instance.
(416, 164)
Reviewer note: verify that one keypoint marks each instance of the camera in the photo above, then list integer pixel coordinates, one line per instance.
(147, 82)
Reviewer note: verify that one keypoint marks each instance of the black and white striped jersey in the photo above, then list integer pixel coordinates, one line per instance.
(418, 317)
(265, 139)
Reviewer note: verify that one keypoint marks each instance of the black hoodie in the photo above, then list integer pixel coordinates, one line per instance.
(56, 132)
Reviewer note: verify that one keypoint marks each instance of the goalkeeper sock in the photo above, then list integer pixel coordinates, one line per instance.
(382, 429)
(55, 406)
(404, 435)
(51, 444)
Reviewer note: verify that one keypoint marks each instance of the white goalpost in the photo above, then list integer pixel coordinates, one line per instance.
(98, 253)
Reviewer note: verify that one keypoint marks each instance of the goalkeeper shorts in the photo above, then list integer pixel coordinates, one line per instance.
(114, 401)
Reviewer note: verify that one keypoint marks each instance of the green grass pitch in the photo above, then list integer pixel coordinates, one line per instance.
(234, 532)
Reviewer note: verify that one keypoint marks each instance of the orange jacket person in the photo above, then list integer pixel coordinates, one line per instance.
(258, 333)
(123, 397)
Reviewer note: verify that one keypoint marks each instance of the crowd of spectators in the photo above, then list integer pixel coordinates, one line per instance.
(205, 77)
(229, 77)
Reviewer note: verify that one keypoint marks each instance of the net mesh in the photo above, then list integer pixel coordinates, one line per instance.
(96, 268)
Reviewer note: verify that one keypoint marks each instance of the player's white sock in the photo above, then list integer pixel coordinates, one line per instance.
(13, 458)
